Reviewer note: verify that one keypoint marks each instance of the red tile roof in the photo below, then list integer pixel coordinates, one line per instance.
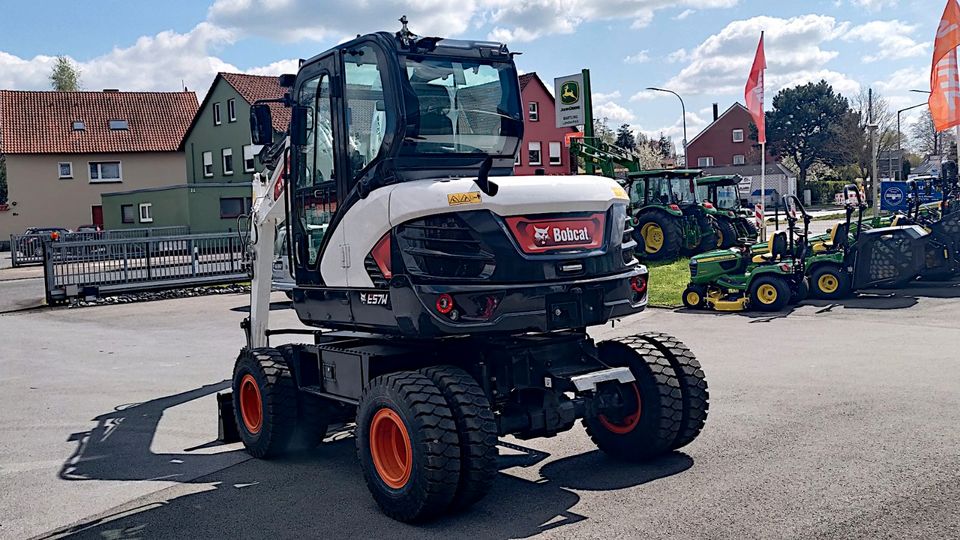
(42, 122)
(526, 78)
(254, 87)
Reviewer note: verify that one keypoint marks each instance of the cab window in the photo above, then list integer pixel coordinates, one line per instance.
(366, 116)
(316, 196)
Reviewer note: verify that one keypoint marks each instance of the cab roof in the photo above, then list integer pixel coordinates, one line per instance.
(719, 180)
(669, 173)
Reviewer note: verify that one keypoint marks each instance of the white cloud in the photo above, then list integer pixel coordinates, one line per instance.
(695, 124)
(679, 55)
(684, 14)
(279, 67)
(606, 106)
(644, 95)
(639, 58)
(889, 39)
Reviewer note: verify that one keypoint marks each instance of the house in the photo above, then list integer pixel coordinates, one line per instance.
(64, 149)
(726, 141)
(543, 146)
(779, 181)
(219, 162)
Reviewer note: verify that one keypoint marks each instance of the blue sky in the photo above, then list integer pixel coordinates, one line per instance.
(701, 48)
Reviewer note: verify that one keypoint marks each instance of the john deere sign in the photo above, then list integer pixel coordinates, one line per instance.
(570, 106)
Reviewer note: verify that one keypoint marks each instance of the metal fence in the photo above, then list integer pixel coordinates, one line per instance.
(27, 249)
(107, 267)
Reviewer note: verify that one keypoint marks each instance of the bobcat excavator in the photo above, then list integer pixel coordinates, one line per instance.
(446, 302)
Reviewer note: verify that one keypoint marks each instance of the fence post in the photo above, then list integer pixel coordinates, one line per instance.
(48, 277)
(193, 253)
(146, 253)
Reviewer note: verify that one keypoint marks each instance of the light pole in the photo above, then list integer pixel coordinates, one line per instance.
(899, 149)
(683, 111)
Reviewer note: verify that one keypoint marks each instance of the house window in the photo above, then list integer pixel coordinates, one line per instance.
(227, 161)
(66, 170)
(126, 213)
(555, 158)
(207, 164)
(105, 171)
(146, 213)
(516, 161)
(705, 161)
(231, 110)
(119, 125)
(216, 114)
(738, 159)
(738, 135)
(534, 111)
(79, 125)
(248, 155)
(534, 154)
(231, 207)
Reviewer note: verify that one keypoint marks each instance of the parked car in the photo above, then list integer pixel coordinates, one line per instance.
(32, 244)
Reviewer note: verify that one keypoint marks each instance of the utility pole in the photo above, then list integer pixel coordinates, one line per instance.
(873, 158)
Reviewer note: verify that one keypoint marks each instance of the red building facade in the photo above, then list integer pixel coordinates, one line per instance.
(543, 142)
(726, 141)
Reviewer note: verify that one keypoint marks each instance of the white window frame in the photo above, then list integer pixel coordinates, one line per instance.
(69, 175)
(516, 161)
(533, 111)
(539, 149)
(705, 161)
(739, 159)
(207, 158)
(231, 110)
(223, 161)
(146, 216)
(98, 179)
(559, 155)
(217, 120)
(253, 155)
(736, 133)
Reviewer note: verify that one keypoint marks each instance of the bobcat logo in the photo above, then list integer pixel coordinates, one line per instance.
(541, 236)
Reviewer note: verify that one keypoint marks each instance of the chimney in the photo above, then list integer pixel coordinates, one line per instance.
(716, 112)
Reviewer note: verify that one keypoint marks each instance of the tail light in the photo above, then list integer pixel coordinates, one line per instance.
(708, 204)
(638, 284)
(674, 207)
(445, 304)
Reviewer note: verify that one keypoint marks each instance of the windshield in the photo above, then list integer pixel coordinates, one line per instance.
(461, 106)
(672, 190)
(728, 197)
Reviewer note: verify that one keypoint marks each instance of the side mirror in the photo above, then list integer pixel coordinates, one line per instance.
(298, 125)
(261, 124)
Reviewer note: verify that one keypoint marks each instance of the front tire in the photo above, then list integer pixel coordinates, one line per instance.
(264, 402)
(769, 293)
(830, 282)
(408, 446)
(661, 235)
(695, 297)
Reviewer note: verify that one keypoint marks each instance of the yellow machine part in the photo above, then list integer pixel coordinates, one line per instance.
(715, 299)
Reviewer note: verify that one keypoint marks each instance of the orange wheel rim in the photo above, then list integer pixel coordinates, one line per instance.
(390, 448)
(251, 406)
(629, 422)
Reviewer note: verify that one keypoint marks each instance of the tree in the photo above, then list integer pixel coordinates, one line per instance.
(625, 137)
(65, 76)
(812, 124)
(3, 180)
(886, 138)
(602, 131)
(926, 140)
(665, 146)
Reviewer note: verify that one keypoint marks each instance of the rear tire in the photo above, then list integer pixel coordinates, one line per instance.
(708, 235)
(769, 293)
(653, 403)
(403, 419)
(752, 232)
(694, 296)
(726, 233)
(800, 292)
(476, 430)
(661, 235)
(264, 401)
(830, 282)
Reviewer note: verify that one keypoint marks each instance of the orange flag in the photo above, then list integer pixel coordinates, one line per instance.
(753, 92)
(944, 82)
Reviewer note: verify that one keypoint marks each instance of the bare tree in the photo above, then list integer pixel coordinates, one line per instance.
(926, 140)
(886, 120)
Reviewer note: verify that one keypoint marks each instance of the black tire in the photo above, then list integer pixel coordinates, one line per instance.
(264, 371)
(800, 292)
(693, 385)
(829, 274)
(708, 236)
(660, 404)
(769, 293)
(672, 244)
(433, 462)
(476, 431)
(289, 295)
(752, 232)
(314, 413)
(726, 233)
(694, 296)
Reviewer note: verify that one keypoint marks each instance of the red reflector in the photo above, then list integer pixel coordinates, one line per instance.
(444, 304)
(639, 284)
(381, 255)
(539, 235)
(707, 204)
(674, 207)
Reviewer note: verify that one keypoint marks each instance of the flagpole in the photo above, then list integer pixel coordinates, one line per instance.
(763, 191)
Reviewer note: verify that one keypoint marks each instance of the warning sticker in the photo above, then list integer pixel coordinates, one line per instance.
(456, 199)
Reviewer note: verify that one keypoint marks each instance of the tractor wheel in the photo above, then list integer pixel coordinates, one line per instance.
(752, 233)
(830, 282)
(408, 446)
(264, 401)
(476, 431)
(651, 414)
(694, 296)
(708, 236)
(693, 385)
(769, 293)
(726, 233)
(661, 235)
(800, 292)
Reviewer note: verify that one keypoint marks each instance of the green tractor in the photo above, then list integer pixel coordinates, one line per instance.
(669, 218)
(766, 278)
(721, 199)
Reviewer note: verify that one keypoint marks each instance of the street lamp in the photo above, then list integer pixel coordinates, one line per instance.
(683, 110)
(899, 150)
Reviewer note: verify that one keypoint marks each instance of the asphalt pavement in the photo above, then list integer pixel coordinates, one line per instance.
(830, 421)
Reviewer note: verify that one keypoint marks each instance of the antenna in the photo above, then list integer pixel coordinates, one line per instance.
(406, 36)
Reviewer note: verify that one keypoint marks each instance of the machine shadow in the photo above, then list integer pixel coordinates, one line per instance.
(319, 492)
